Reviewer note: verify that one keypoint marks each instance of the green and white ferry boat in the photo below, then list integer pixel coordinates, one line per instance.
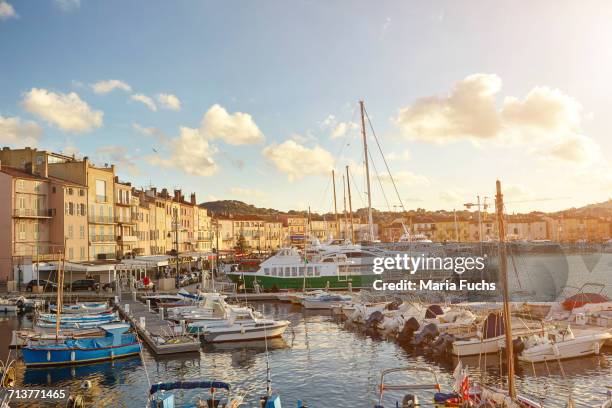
(333, 266)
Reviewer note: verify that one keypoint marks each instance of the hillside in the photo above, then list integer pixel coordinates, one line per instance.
(236, 207)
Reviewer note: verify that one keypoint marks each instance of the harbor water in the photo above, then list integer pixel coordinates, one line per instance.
(319, 360)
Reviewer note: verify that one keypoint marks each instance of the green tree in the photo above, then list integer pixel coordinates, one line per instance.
(241, 244)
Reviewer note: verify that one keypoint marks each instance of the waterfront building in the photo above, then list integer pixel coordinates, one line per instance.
(125, 209)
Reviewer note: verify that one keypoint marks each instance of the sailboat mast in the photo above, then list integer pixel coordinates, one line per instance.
(335, 205)
(367, 169)
(60, 291)
(503, 268)
(350, 203)
(345, 216)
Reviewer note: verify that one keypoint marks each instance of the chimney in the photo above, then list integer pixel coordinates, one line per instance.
(193, 199)
(164, 193)
(177, 194)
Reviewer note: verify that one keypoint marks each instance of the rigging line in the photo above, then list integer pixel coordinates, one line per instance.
(379, 181)
(384, 159)
(359, 193)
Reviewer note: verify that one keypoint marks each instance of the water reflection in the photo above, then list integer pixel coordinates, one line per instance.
(320, 360)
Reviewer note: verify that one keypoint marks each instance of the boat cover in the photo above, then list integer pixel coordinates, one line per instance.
(187, 385)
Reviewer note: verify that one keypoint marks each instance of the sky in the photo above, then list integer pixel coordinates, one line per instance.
(258, 101)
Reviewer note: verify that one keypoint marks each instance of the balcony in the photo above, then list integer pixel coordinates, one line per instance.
(106, 256)
(101, 219)
(127, 238)
(124, 220)
(33, 212)
(101, 199)
(102, 238)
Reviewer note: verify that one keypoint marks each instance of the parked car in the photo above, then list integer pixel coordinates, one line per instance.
(109, 286)
(47, 285)
(83, 284)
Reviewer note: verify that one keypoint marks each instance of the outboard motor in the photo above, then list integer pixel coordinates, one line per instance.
(410, 401)
(426, 336)
(443, 345)
(518, 345)
(374, 319)
(393, 305)
(407, 332)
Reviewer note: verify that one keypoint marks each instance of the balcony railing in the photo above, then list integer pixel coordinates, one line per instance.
(106, 256)
(122, 219)
(100, 198)
(101, 219)
(127, 238)
(102, 238)
(33, 212)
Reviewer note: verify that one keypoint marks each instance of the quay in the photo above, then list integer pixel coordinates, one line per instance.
(156, 332)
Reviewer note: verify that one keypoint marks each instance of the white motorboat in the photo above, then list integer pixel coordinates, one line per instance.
(241, 328)
(324, 301)
(563, 344)
(487, 340)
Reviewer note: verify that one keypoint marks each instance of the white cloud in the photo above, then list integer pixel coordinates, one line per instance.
(169, 101)
(17, 133)
(103, 87)
(190, 153)
(68, 5)
(148, 102)
(399, 156)
(337, 129)
(159, 136)
(545, 117)
(66, 111)
(297, 160)
(246, 192)
(6, 11)
(235, 129)
(119, 156)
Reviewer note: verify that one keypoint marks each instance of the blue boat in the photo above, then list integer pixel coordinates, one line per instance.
(116, 344)
(160, 398)
(52, 318)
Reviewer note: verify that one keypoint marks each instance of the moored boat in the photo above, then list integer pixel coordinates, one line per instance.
(115, 344)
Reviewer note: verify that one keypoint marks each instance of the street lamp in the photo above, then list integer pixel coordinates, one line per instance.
(479, 205)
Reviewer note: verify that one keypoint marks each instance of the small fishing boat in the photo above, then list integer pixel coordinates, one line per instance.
(115, 344)
(241, 328)
(52, 318)
(83, 308)
(325, 301)
(9, 306)
(488, 340)
(219, 394)
(410, 399)
(562, 344)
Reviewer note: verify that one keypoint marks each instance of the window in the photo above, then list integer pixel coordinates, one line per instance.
(82, 231)
(81, 192)
(70, 231)
(101, 190)
(83, 212)
(70, 192)
(70, 253)
(53, 189)
(21, 184)
(36, 231)
(22, 231)
(71, 208)
(82, 253)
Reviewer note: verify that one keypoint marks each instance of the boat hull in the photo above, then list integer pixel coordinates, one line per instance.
(267, 282)
(249, 333)
(40, 356)
(578, 347)
(473, 347)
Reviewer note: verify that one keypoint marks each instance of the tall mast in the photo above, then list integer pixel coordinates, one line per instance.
(335, 205)
(60, 291)
(499, 207)
(344, 199)
(348, 186)
(367, 169)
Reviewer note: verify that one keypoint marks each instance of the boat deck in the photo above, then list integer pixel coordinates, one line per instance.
(157, 333)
